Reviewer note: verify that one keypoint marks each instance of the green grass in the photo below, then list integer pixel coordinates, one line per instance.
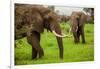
(72, 52)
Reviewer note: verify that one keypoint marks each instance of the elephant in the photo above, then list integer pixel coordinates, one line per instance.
(77, 22)
(64, 18)
(30, 22)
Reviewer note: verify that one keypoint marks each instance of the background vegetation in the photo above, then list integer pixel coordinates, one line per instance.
(72, 52)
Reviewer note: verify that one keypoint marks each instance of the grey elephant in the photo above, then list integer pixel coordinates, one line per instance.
(30, 22)
(78, 20)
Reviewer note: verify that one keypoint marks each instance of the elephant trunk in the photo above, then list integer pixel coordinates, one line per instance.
(57, 30)
(60, 45)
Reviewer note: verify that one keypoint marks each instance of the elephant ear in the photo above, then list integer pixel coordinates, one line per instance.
(82, 19)
(36, 17)
(47, 20)
(34, 20)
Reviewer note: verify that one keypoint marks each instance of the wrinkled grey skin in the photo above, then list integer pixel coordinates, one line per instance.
(30, 21)
(78, 20)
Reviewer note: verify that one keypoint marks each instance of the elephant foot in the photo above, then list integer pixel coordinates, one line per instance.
(76, 42)
(34, 53)
(41, 54)
(61, 60)
(83, 42)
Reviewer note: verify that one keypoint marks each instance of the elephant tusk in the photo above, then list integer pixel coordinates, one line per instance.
(76, 29)
(69, 33)
(59, 35)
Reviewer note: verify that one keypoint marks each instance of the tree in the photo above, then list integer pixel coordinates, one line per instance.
(90, 11)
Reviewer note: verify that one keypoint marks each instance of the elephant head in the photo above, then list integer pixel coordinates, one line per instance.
(36, 18)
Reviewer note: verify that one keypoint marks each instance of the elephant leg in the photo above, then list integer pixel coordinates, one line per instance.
(37, 50)
(34, 40)
(78, 35)
(82, 35)
(75, 37)
(30, 39)
(36, 43)
(34, 53)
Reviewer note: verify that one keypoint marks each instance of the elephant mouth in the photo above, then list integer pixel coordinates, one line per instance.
(59, 35)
